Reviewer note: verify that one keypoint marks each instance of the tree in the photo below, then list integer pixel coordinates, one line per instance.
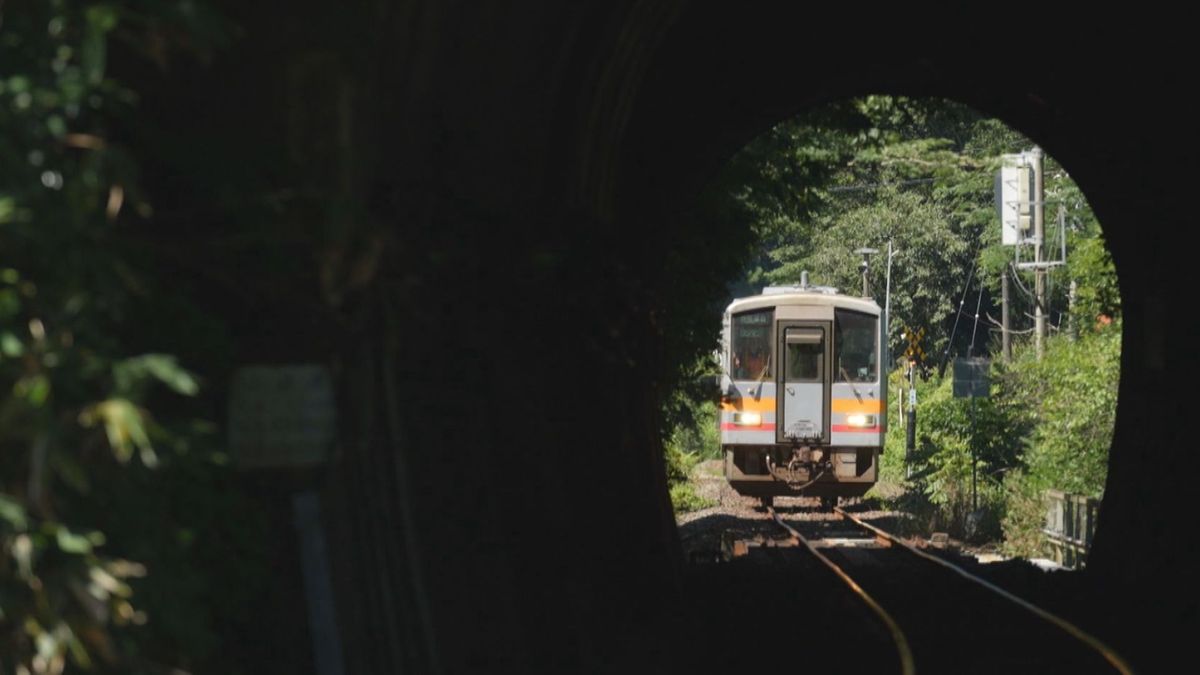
(926, 273)
(85, 418)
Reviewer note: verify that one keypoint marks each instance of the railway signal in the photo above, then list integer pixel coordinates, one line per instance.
(914, 351)
(913, 354)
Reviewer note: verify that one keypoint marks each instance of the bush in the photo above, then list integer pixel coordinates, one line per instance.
(950, 431)
(693, 439)
(1068, 401)
(1022, 524)
(684, 499)
(689, 445)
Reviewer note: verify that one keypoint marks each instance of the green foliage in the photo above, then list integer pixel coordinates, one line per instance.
(1067, 401)
(693, 439)
(927, 271)
(1024, 515)
(780, 180)
(696, 434)
(1089, 263)
(58, 593)
(920, 173)
(76, 398)
(951, 433)
(684, 498)
(1047, 424)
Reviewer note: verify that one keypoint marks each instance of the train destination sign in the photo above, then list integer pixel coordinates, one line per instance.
(281, 416)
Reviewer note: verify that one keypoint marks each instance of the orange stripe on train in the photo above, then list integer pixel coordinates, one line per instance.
(850, 405)
(840, 405)
(758, 405)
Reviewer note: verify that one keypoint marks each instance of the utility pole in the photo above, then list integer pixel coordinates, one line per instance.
(887, 293)
(974, 460)
(1005, 338)
(886, 334)
(1071, 310)
(1020, 200)
(866, 253)
(1039, 236)
(910, 431)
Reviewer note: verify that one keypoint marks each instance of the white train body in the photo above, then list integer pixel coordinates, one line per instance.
(804, 401)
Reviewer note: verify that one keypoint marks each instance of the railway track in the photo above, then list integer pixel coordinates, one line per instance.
(939, 616)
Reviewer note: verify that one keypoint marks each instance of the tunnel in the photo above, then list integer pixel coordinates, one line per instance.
(530, 182)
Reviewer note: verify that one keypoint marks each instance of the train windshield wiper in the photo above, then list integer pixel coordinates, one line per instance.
(763, 375)
(852, 387)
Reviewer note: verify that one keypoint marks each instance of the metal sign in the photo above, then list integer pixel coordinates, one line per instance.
(914, 352)
(971, 378)
(281, 416)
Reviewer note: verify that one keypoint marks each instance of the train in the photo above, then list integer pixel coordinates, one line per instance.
(803, 393)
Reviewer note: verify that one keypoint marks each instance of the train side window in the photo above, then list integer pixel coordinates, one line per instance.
(855, 344)
(751, 348)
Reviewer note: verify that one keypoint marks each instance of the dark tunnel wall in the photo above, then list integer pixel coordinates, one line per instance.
(499, 499)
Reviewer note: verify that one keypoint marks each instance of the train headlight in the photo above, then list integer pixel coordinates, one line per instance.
(747, 419)
(860, 420)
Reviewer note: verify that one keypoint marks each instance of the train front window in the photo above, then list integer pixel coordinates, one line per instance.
(805, 355)
(855, 344)
(751, 349)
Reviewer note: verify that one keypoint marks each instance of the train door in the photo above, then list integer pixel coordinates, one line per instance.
(803, 382)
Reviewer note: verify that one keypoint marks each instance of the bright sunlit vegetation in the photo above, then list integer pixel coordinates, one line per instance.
(920, 174)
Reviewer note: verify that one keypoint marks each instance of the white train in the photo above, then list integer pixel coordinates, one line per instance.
(804, 399)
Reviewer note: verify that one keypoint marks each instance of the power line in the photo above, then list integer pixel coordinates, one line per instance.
(978, 302)
(1017, 278)
(1011, 332)
(961, 302)
(999, 326)
(872, 186)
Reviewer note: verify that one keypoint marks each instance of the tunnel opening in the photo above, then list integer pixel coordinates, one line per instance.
(918, 178)
(807, 215)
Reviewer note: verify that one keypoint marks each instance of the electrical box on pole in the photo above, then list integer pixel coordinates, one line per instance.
(1015, 198)
(1021, 202)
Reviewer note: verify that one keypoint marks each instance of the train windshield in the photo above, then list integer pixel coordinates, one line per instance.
(855, 344)
(751, 348)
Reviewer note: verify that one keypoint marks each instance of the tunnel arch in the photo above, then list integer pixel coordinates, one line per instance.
(529, 170)
(497, 501)
(694, 107)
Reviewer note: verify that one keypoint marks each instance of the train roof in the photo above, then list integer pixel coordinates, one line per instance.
(795, 295)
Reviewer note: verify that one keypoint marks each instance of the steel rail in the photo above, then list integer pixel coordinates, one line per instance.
(907, 666)
(1107, 652)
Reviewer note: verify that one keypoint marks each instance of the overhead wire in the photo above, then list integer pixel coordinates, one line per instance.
(1017, 277)
(1027, 331)
(978, 302)
(962, 301)
(872, 186)
(1000, 326)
